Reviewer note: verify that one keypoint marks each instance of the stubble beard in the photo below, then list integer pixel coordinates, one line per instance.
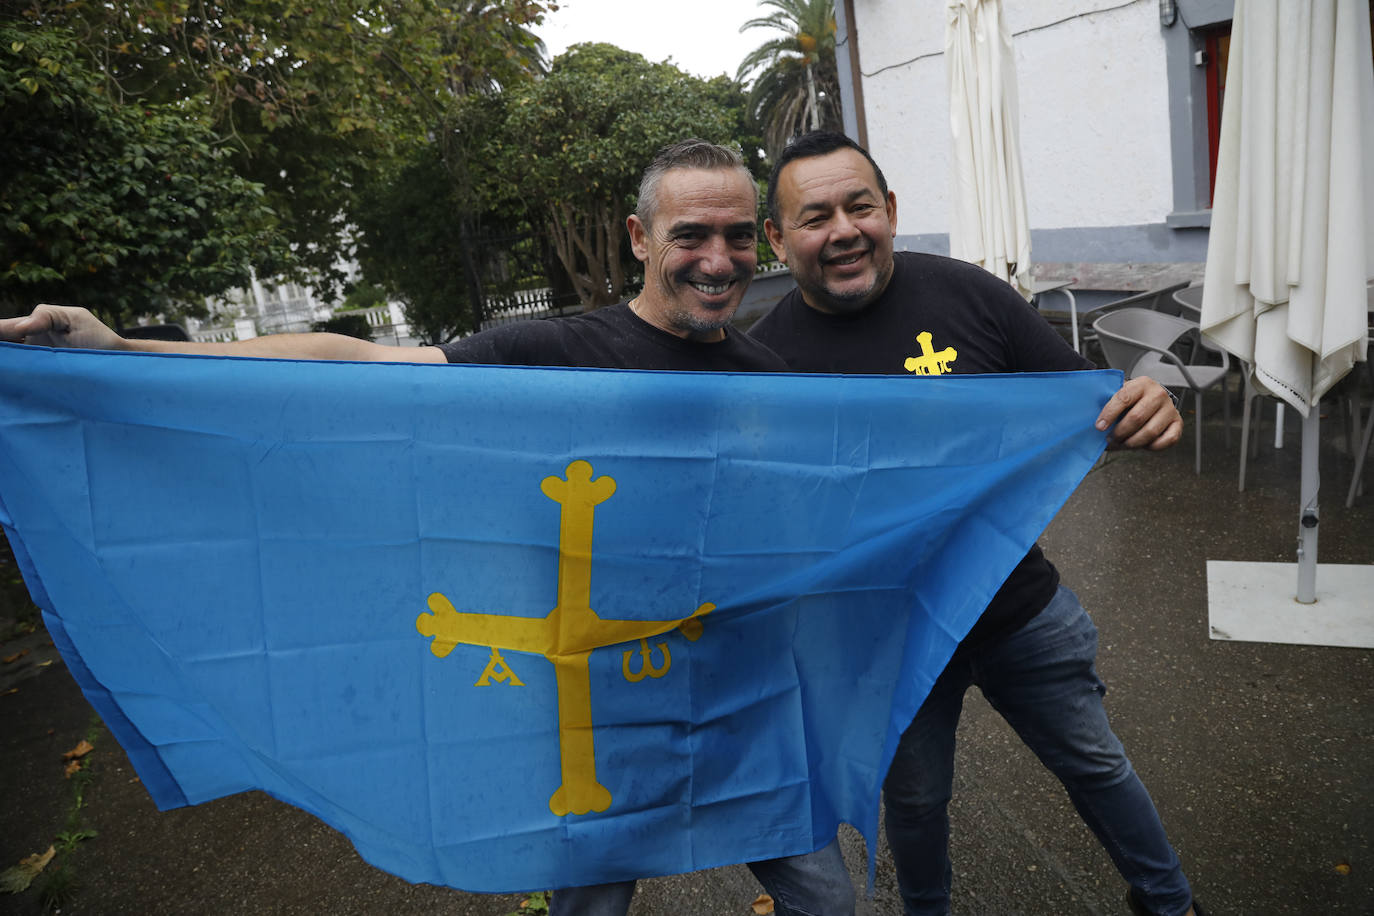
(694, 322)
(850, 302)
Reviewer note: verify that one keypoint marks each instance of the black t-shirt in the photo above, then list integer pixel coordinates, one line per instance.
(613, 337)
(937, 315)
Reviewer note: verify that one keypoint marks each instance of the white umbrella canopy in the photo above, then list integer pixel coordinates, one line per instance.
(1292, 239)
(1292, 246)
(990, 227)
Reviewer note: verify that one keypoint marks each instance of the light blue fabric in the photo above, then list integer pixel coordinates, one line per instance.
(237, 557)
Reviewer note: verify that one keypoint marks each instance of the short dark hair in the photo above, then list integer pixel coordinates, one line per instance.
(685, 154)
(810, 145)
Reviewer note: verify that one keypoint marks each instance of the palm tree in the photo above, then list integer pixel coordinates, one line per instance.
(492, 45)
(799, 88)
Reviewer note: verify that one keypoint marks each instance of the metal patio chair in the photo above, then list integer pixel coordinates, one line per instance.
(1155, 299)
(1362, 452)
(1140, 341)
(1188, 304)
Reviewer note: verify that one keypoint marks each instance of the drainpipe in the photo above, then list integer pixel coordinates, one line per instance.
(851, 77)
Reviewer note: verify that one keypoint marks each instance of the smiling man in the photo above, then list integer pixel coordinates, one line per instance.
(697, 247)
(695, 232)
(836, 235)
(861, 308)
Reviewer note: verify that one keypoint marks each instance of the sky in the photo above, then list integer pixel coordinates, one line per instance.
(701, 36)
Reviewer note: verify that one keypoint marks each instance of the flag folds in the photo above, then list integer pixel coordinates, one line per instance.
(516, 628)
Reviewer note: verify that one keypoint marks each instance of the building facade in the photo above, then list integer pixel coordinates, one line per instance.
(267, 307)
(1119, 109)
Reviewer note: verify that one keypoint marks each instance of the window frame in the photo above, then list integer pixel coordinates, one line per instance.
(1193, 134)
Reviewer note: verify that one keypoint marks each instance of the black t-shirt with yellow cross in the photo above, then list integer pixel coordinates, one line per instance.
(937, 316)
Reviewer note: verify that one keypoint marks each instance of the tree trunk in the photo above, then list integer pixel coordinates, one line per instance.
(471, 273)
(596, 275)
(617, 219)
(811, 98)
(455, 159)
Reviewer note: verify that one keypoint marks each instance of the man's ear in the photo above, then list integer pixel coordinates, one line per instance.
(892, 211)
(639, 237)
(774, 235)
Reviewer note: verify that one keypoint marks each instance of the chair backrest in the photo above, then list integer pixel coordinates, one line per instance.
(1128, 334)
(1150, 299)
(1189, 303)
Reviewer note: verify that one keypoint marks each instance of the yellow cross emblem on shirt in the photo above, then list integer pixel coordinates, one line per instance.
(930, 362)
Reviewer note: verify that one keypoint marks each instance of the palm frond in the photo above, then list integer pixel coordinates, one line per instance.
(796, 85)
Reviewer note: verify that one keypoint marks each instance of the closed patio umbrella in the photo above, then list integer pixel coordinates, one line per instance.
(990, 227)
(1292, 241)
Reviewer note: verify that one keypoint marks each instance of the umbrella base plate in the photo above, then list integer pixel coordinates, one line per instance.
(1255, 602)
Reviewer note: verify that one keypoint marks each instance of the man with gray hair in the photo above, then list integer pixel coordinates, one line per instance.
(695, 231)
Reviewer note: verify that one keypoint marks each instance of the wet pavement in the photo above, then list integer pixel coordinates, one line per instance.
(1260, 757)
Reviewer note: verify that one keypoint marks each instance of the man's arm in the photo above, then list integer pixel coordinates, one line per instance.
(69, 326)
(1144, 414)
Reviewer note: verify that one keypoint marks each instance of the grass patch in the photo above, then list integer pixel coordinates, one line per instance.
(536, 904)
(60, 882)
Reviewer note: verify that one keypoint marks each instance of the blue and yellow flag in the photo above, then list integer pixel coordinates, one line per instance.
(514, 628)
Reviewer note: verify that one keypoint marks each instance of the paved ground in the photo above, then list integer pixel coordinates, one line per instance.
(1260, 757)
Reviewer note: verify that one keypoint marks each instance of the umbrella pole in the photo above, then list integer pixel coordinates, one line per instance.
(1255, 602)
(1307, 521)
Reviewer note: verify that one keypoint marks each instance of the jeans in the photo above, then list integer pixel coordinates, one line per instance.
(1040, 679)
(812, 884)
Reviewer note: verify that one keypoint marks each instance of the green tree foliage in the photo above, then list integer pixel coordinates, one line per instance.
(308, 97)
(488, 45)
(730, 95)
(410, 243)
(574, 144)
(364, 295)
(797, 88)
(440, 243)
(429, 231)
(350, 324)
(535, 179)
(122, 208)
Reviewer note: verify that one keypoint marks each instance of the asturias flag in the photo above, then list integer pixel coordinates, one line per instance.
(513, 628)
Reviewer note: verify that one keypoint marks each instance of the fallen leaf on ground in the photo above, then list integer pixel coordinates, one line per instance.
(9, 659)
(10, 691)
(535, 904)
(762, 905)
(73, 767)
(1342, 868)
(16, 880)
(81, 750)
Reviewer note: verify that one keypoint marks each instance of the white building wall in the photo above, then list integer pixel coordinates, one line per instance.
(1094, 110)
(905, 90)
